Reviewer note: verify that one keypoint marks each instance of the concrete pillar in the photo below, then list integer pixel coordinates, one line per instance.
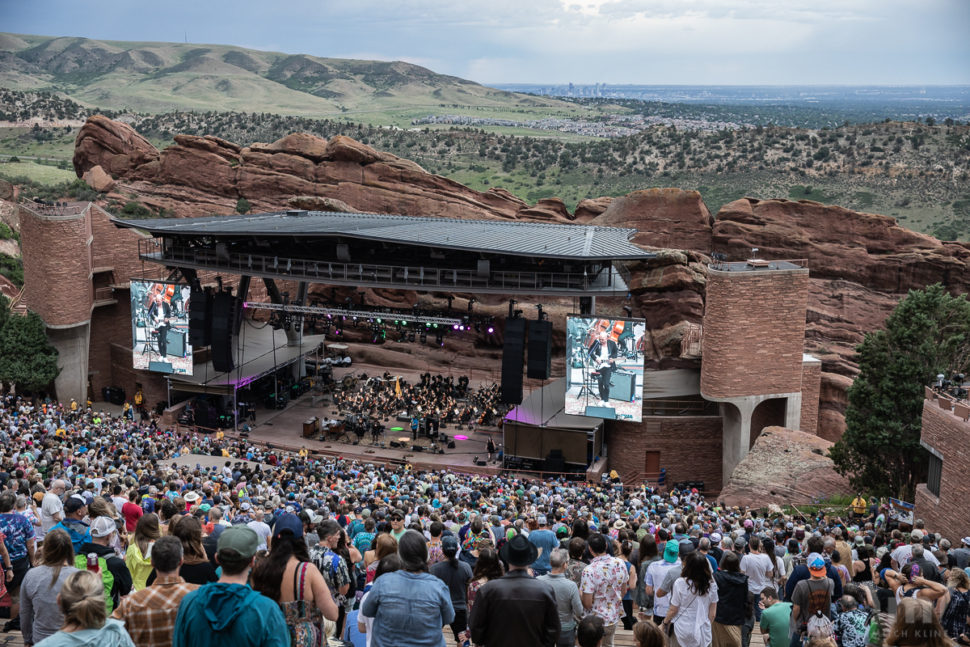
(72, 359)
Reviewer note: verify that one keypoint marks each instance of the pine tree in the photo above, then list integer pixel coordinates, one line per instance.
(928, 333)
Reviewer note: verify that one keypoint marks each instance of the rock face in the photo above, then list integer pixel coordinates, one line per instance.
(784, 466)
(861, 264)
(98, 180)
(663, 218)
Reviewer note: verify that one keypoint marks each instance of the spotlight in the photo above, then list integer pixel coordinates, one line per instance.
(454, 326)
(491, 330)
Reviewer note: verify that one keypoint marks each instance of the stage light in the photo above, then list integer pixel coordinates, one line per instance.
(491, 329)
(454, 326)
(460, 437)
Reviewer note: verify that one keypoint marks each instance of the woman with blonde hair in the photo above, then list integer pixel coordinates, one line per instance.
(81, 600)
(138, 558)
(916, 625)
(40, 616)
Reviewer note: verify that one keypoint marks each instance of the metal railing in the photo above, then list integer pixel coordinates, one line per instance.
(753, 265)
(103, 294)
(416, 277)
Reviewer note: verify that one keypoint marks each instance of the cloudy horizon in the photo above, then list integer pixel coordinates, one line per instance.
(649, 42)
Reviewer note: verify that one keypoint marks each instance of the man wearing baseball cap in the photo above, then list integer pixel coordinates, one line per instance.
(228, 612)
(102, 532)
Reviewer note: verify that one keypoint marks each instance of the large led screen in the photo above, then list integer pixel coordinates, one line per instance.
(160, 327)
(604, 367)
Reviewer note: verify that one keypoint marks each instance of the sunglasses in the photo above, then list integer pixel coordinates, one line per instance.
(397, 518)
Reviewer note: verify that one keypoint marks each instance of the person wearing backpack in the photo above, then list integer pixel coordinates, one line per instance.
(111, 568)
(333, 567)
(811, 599)
(954, 618)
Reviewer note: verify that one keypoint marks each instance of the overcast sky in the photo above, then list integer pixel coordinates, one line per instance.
(786, 42)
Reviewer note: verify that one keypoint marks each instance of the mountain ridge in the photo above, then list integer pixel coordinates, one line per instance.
(159, 76)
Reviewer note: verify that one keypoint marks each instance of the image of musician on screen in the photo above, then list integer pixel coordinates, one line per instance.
(159, 315)
(602, 356)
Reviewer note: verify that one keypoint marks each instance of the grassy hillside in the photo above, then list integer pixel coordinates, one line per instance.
(161, 77)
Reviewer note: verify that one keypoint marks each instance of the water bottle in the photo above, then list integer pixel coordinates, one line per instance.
(93, 563)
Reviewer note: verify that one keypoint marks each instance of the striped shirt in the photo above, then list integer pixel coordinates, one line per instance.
(149, 614)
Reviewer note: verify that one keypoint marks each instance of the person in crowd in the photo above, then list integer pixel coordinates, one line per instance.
(775, 618)
(545, 540)
(456, 575)
(810, 597)
(333, 567)
(52, 505)
(137, 557)
(733, 603)
(229, 613)
(693, 603)
(917, 625)
(18, 540)
(365, 624)
(149, 613)
(40, 614)
(647, 555)
(384, 545)
(567, 597)
(656, 573)
(850, 623)
(288, 577)
(409, 606)
(196, 567)
(954, 618)
(605, 582)
(626, 552)
(648, 634)
(760, 569)
(81, 602)
(515, 610)
(576, 564)
(98, 552)
(590, 632)
(488, 567)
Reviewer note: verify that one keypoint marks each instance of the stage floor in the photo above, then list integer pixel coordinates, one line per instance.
(284, 429)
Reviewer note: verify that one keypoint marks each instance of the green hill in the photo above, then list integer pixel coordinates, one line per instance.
(161, 77)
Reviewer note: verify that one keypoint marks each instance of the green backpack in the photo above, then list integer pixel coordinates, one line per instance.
(107, 579)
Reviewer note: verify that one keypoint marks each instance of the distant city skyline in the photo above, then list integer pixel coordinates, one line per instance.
(699, 42)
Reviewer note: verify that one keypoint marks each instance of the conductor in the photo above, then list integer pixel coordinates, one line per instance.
(602, 355)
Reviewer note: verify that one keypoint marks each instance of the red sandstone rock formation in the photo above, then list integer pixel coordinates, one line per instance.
(784, 467)
(861, 264)
(663, 217)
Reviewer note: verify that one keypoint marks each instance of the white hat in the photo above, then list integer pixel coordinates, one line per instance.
(191, 497)
(916, 535)
(103, 527)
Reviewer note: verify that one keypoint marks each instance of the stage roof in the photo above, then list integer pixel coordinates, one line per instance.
(516, 238)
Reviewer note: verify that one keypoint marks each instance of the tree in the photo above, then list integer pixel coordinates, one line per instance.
(928, 333)
(27, 358)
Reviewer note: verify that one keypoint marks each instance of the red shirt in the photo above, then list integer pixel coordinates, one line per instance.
(132, 513)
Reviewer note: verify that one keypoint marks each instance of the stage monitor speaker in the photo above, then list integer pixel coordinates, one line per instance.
(223, 315)
(539, 363)
(624, 386)
(481, 463)
(608, 413)
(451, 444)
(160, 367)
(200, 318)
(395, 444)
(175, 342)
(417, 448)
(512, 351)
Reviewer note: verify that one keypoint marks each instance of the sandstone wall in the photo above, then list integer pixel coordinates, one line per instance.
(947, 435)
(754, 333)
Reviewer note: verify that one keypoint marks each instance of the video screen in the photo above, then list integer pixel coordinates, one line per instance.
(160, 327)
(604, 367)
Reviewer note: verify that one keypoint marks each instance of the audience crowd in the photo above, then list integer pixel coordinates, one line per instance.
(112, 534)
